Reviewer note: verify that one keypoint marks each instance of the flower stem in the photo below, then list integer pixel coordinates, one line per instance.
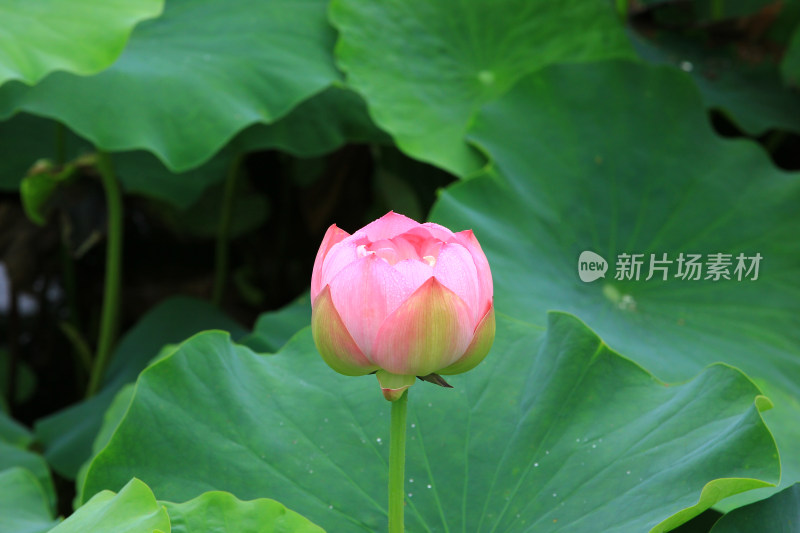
(111, 293)
(397, 464)
(223, 230)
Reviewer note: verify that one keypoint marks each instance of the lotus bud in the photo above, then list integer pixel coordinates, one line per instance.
(402, 300)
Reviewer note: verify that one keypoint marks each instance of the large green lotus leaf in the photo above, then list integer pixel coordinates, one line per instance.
(24, 504)
(190, 80)
(751, 93)
(780, 513)
(643, 173)
(133, 510)
(552, 432)
(319, 125)
(68, 434)
(221, 512)
(116, 411)
(11, 457)
(80, 36)
(425, 66)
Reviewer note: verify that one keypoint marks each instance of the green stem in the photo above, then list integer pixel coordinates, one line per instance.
(397, 464)
(221, 259)
(111, 294)
(79, 345)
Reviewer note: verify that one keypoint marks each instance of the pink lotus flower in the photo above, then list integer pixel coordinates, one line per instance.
(403, 299)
